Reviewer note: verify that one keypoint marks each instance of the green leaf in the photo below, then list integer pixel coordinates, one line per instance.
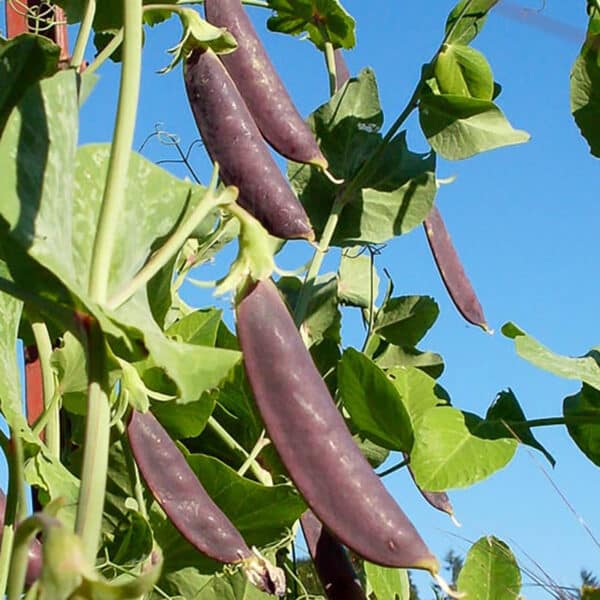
(184, 420)
(419, 392)
(132, 540)
(585, 403)
(10, 385)
(585, 87)
(455, 449)
(404, 320)
(69, 362)
(375, 455)
(458, 127)
(227, 586)
(506, 408)
(24, 60)
(323, 317)
(374, 405)
(590, 593)
(463, 71)
(263, 515)
(430, 363)
(358, 280)
(490, 571)
(586, 368)
(199, 327)
(323, 21)
(397, 193)
(464, 25)
(391, 584)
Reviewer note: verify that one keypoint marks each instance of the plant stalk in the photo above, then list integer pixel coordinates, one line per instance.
(106, 52)
(330, 64)
(84, 34)
(261, 475)
(44, 348)
(118, 164)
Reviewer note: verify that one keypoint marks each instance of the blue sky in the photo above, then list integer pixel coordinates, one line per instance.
(524, 221)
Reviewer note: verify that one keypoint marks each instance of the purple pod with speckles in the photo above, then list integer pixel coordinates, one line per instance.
(34, 561)
(451, 270)
(313, 440)
(192, 511)
(331, 562)
(262, 89)
(233, 140)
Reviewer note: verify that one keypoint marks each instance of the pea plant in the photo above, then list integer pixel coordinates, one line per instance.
(166, 456)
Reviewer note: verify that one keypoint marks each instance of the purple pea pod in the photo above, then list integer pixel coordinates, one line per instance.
(331, 562)
(313, 441)
(262, 89)
(34, 562)
(233, 140)
(341, 69)
(200, 521)
(451, 270)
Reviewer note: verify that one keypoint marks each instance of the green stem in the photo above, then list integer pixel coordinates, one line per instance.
(118, 164)
(10, 517)
(395, 468)
(593, 419)
(261, 475)
(84, 34)
(330, 64)
(44, 348)
(261, 443)
(42, 420)
(106, 52)
(90, 505)
(317, 260)
(161, 257)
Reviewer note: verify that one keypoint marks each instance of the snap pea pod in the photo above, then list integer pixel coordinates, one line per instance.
(314, 442)
(261, 87)
(233, 140)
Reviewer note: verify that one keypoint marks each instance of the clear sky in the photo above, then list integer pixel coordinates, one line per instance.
(524, 220)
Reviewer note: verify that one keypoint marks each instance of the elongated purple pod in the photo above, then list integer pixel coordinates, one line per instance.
(192, 511)
(438, 500)
(331, 562)
(451, 270)
(34, 561)
(233, 140)
(341, 69)
(262, 89)
(313, 441)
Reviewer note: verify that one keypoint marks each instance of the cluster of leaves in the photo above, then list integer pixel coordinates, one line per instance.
(183, 362)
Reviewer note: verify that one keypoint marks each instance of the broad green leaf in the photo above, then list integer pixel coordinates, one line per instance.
(184, 420)
(458, 127)
(463, 71)
(323, 318)
(262, 515)
(585, 87)
(586, 368)
(391, 584)
(585, 404)
(453, 449)
(404, 320)
(326, 355)
(430, 363)
(10, 385)
(24, 60)
(397, 193)
(374, 404)
(358, 283)
(467, 19)
(323, 21)
(53, 481)
(228, 586)
(419, 392)
(132, 540)
(490, 572)
(69, 362)
(199, 328)
(506, 408)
